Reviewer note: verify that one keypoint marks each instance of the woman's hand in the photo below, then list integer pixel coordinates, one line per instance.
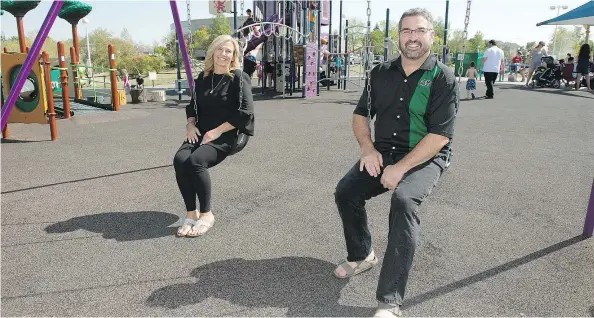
(192, 133)
(210, 136)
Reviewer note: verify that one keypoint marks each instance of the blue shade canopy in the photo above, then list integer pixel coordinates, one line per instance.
(582, 15)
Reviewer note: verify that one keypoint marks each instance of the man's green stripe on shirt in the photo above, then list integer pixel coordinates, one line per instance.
(418, 107)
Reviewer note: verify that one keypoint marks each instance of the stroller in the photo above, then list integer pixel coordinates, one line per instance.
(549, 76)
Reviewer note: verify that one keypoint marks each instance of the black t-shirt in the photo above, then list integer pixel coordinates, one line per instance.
(222, 105)
(248, 21)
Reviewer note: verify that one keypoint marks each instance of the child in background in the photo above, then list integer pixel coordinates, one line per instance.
(259, 70)
(471, 83)
(127, 84)
(502, 70)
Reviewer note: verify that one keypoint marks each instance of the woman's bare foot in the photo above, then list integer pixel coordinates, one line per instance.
(341, 272)
(205, 222)
(187, 226)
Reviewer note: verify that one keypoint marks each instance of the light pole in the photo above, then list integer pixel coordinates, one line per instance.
(86, 22)
(564, 7)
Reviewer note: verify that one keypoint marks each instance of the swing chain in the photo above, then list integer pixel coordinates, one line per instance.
(242, 11)
(368, 66)
(242, 45)
(465, 36)
(189, 28)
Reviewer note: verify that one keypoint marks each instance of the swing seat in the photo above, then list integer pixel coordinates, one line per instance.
(240, 143)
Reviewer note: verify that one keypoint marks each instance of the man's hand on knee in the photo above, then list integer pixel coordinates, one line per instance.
(392, 176)
(372, 161)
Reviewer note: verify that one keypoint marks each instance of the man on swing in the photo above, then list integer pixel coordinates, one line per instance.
(415, 99)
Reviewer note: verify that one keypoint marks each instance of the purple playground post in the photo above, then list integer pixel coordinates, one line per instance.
(182, 45)
(589, 223)
(32, 57)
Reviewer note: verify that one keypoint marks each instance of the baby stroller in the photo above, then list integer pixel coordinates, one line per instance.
(549, 75)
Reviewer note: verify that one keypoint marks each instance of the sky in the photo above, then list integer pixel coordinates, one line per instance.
(149, 21)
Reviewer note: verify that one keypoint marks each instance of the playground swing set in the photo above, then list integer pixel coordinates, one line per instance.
(42, 103)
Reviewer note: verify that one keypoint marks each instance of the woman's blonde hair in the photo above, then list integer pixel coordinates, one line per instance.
(209, 60)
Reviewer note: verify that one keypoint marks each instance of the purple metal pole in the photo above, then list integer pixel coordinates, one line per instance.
(589, 223)
(182, 45)
(32, 57)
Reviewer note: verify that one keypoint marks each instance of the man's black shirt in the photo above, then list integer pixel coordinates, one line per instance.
(391, 93)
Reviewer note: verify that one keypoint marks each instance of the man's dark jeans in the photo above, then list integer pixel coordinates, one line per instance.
(354, 189)
(490, 78)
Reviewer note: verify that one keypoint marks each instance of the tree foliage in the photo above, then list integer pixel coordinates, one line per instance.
(18, 8)
(565, 40)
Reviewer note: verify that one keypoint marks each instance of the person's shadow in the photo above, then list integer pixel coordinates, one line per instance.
(303, 285)
(121, 226)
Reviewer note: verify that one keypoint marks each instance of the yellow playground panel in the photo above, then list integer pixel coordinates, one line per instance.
(31, 104)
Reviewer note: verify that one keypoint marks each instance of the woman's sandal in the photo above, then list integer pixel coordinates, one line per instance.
(186, 227)
(197, 225)
(361, 267)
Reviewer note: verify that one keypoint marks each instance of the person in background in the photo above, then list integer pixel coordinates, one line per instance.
(502, 70)
(269, 72)
(491, 60)
(535, 59)
(259, 70)
(127, 85)
(249, 21)
(571, 61)
(583, 67)
(516, 62)
(471, 74)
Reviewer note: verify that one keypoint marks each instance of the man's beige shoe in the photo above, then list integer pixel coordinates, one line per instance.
(387, 310)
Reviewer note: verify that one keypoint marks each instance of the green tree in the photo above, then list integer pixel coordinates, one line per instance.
(476, 43)
(392, 35)
(201, 39)
(377, 41)
(456, 42)
(439, 28)
(356, 34)
(530, 46)
(99, 40)
(564, 41)
(219, 26)
(167, 50)
(142, 64)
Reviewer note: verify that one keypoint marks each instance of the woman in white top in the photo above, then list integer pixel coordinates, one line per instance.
(534, 59)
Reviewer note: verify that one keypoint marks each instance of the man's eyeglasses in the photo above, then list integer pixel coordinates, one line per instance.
(419, 31)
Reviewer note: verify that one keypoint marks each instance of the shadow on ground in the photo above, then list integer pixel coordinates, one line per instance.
(303, 285)
(442, 290)
(16, 141)
(121, 226)
(553, 91)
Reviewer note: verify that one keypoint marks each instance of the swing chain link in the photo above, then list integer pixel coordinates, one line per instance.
(243, 46)
(368, 62)
(465, 37)
(189, 28)
(241, 8)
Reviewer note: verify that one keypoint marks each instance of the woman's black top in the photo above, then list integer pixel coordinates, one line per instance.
(222, 105)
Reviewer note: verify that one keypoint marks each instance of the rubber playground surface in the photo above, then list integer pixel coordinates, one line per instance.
(88, 221)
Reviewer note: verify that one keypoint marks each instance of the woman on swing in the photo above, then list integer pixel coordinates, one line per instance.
(214, 117)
